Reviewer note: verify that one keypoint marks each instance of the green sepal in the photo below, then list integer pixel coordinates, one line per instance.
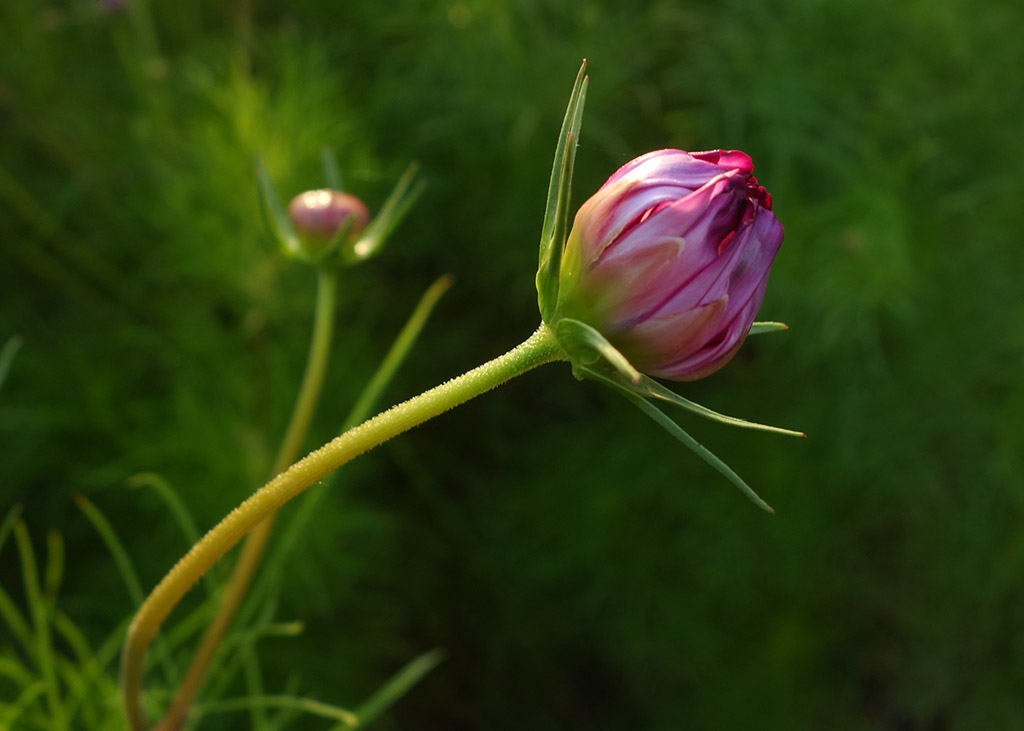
(556, 214)
(585, 346)
(759, 328)
(276, 217)
(650, 388)
(395, 208)
(676, 431)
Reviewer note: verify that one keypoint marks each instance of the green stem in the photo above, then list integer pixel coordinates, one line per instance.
(313, 378)
(539, 348)
(362, 409)
(252, 551)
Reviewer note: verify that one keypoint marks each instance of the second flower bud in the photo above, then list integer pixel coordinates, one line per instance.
(325, 219)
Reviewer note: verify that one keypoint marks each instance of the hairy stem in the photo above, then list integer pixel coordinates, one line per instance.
(540, 348)
(252, 549)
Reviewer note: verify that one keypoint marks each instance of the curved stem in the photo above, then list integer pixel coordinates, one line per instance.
(539, 348)
(359, 412)
(252, 550)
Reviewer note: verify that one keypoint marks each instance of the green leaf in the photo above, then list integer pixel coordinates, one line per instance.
(306, 705)
(676, 431)
(397, 686)
(759, 328)
(556, 214)
(651, 388)
(396, 355)
(585, 346)
(275, 216)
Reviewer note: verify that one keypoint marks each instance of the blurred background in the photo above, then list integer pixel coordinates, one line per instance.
(580, 569)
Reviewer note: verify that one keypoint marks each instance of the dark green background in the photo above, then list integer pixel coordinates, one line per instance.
(582, 570)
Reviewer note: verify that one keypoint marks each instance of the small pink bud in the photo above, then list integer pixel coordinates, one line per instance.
(669, 260)
(319, 216)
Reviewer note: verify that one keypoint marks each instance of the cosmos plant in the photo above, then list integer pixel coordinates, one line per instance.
(661, 274)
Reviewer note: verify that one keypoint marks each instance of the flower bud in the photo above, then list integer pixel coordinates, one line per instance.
(669, 260)
(325, 218)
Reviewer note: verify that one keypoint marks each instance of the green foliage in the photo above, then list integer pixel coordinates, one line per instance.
(579, 570)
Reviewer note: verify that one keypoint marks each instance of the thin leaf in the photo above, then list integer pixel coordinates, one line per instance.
(25, 699)
(15, 671)
(166, 492)
(131, 580)
(676, 431)
(650, 387)
(8, 522)
(84, 676)
(767, 327)
(396, 356)
(307, 705)
(16, 622)
(556, 213)
(398, 685)
(41, 620)
(114, 546)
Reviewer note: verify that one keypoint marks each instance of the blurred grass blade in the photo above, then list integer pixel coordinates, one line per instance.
(114, 546)
(396, 355)
(306, 705)
(375, 387)
(15, 671)
(398, 685)
(17, 624)
(286, 715)
(131, 580)
(275, 215)
(25, 699)
(652, 388)
(166, 492)
(331, 172)
(41, 621)
(170, 498)
(7, 353)
(556, 213)
(8, 522)
(767, 327)
(253, 673)
(675, 430)
(8, 610)
(84, 677)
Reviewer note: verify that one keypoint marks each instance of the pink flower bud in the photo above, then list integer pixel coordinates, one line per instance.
(320, 215)
(669, 260)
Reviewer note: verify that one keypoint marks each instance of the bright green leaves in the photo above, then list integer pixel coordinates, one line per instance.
(556, 214)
